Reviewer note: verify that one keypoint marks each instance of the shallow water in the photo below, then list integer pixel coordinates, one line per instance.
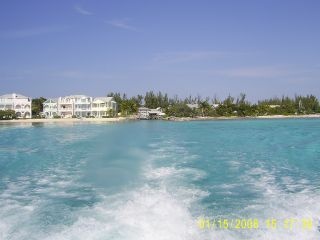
(161, 180)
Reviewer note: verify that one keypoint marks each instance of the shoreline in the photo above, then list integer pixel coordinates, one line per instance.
(67, 120)
(133, 118)
(185, 119)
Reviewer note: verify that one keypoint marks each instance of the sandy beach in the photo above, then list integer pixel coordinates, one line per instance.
(122, 119)
(67, 120)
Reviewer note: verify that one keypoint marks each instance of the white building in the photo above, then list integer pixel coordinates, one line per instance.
(276, 106)
(50, 108)
(193, 105)
(82, 105)
(143, 113)
(215, 105)
(147, 113)
(79, 106)
(103, 106)
(17, 102)
(74, 105)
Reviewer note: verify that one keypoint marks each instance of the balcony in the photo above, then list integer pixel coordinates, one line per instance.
(100, 109)
(66, 109)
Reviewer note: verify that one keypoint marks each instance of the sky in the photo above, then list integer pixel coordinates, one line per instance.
(265, 48)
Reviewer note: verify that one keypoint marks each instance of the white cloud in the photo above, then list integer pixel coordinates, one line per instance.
(82, 11)
(122, 23)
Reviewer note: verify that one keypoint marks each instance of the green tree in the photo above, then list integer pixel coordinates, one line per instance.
(7, 114)
(306, 105)
(117, 97)
(153, 100)
(111, 113)
(244, 107)
(128, 107)
(37, 106)
(180, 110)
(227, 107)
(204, 107)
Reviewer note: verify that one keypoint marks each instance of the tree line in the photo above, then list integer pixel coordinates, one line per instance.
(230, 106)
(213, 107)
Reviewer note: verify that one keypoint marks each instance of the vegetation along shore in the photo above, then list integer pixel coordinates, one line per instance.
(193, 108)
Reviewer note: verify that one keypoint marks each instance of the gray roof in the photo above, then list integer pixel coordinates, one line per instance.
(13, 96)
(143, 109)
(193, 105)
(77, 96)
(50, 100)
(104, 99)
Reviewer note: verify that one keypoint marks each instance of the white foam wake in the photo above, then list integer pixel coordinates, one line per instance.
(143, 214)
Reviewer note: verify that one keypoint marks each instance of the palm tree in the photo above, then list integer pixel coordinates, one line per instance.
(204, 107)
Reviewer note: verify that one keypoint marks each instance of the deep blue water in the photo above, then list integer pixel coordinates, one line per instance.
(160, 180)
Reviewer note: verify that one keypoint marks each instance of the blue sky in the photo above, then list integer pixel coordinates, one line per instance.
(212, 48)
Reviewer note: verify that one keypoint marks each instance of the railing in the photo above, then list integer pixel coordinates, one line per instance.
(100, 109)
(66, 103)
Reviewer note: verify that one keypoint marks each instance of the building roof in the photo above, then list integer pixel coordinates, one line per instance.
(193, 105)
(77, 96)
(13, 96)
(102, 99)
(274, 105)
(156, 111)
(143, 109)
(98, 101)
(50, 100)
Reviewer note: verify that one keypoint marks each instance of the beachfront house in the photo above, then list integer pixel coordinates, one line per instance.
(215, 105)
(143, 113)
(156, 113)
(74, 105)
(17, 102)
(82, 105)
(103, 107)
(274, 106)
(79, 106)
(50, 108)
(193, 105)
(147, 113)
(66, 107)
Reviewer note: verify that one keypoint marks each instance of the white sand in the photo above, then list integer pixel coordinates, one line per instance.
(66, 120)
(121, 119)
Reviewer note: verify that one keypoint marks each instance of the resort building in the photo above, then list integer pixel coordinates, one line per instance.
(276, 106)
(147, 113)
(79, 106)
(193, 105)
(17, 102)
(74, 105)
(215, 105)
(103, 106)
(50, 108)
(143, 113)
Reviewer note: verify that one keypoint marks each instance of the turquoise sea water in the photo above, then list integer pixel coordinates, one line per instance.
(160, 180)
